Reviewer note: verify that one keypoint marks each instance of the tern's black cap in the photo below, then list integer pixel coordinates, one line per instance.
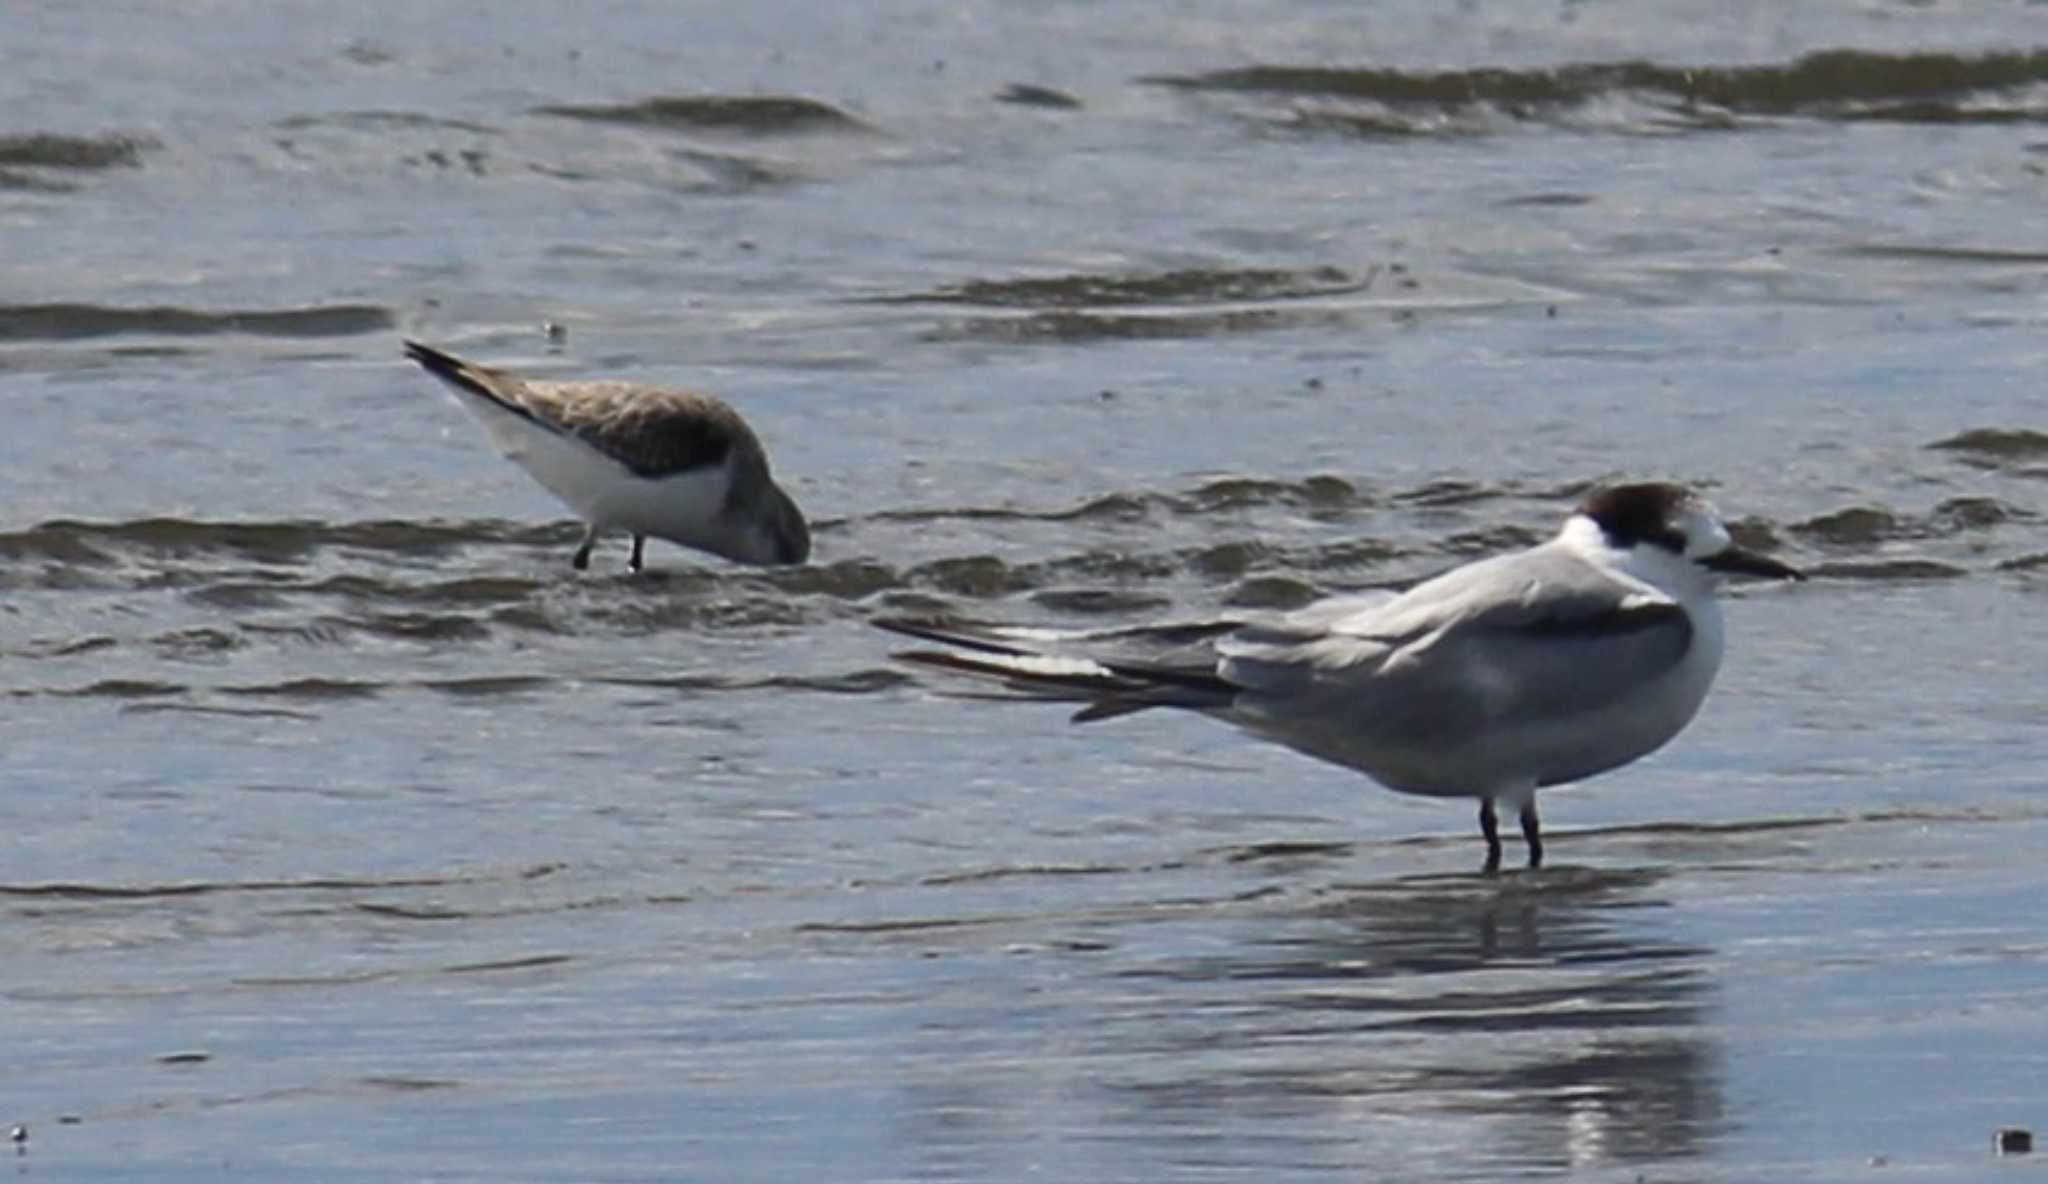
(1641, 513)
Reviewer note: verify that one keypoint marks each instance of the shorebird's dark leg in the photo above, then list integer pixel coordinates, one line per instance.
(1532, 832)
(1489, 825)
(582, 560)
(639, 541)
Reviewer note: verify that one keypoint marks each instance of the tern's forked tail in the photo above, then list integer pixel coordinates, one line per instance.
(1109, 687)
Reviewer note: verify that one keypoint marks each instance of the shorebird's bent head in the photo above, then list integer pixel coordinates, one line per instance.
(780, 534)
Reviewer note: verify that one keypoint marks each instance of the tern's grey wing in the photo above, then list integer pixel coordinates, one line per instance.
(1530, 635)
(1331, 610)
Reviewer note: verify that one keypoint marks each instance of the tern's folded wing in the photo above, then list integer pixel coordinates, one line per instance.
(1533, 634)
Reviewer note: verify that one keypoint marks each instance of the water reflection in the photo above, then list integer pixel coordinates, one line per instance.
(1532, 1022)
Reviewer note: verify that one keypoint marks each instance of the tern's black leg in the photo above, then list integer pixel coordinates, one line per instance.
(581, 562)
(1489, 825)
(1532, 832)
(639, 541)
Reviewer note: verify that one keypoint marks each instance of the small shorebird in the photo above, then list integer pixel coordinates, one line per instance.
(671, 464)
(1492, 680)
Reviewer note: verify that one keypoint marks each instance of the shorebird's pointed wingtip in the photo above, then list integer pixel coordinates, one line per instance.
(427, 355)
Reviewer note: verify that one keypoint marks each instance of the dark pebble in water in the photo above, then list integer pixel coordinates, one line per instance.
(2013, 1140)
(184, 1058)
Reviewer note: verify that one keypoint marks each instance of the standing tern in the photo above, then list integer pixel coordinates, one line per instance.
(1492, 680)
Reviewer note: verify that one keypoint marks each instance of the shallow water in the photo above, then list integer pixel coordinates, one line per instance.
(352, 835)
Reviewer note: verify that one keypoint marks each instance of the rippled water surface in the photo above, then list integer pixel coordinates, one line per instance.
(348, 834)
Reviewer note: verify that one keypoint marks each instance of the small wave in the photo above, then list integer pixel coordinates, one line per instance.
(1029, 871)
(733, 173)
(1229, 560)
(1115, 507)
(1887, 569)
(384, 121)
(1237, 492)
(1474, 544)
(1977, 513)
(529, 962)
(982, 577)
(406, 912)
(1938, 254)
(1864, 526)
(1317, 492)
(1190, 286)
(488, 686)
(1102, 581)
(1084, 602)
(1082, 328)
(411, 1085)
(1272, 593)
(1995, 448)
(74, 153)
(1286, 849)
(1201, 303)
(316, 689)
(1832, 84)
(1025, 94)
(23, 182)
(66, 648)
(72, 541)
(62, 322)
(758, 115)
(91, 891)
(163, 708)
(1448, 493)
(1857, 526)
(858, 682)
(127, 688)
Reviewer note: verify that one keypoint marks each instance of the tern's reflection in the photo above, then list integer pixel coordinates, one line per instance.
(1533, 1021)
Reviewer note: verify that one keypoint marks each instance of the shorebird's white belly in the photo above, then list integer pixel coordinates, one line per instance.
(602, 491)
